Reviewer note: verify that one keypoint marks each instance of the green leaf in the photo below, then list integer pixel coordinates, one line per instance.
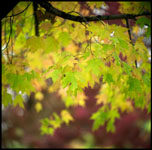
(47, 130)
(110, 125)
(68, 101)
(55, 75)
(147, 79)
(127, 68)
(64, 38)
(112, 114)
(134, 84)
(148, 32)
(95, 66)
(20, 82)
(86, 54)
(115, 40)
(123, 43)
(149, 107)
(117, 59)
(50, 131)
(147, 126)
(3, 69)
(44, 130)
(56, 122)
(140, 102)
(107, 47)
(143, 21)
(107, 77)
(45, 121)
(19, 101)
(70, 80)
(99, 118)
(6, 99)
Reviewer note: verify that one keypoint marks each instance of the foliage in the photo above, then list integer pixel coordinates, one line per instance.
(29, 60)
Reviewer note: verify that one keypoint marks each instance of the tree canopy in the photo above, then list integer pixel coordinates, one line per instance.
(59, 41)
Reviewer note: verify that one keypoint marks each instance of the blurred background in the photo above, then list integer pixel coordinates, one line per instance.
(21, 128)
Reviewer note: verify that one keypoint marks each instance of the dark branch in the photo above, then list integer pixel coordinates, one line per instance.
(68, 16)
(129, 32)
(36, 19)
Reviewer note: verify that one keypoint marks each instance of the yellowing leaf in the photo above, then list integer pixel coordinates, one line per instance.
(135, 29)
(46, 25)
(64, 38)
(56, 122)
(101, 98)
(35, 43)
(97, 4)
(80, 99)
(140, 44)
(50, 44)
(38, 106)
(127, 106)
(66, 116)
(39, 96)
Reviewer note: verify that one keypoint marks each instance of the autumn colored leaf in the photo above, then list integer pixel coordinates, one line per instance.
(70, 55)
(38, 106)
(66, 117)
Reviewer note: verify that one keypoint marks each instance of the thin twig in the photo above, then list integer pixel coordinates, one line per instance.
(5, 36)
(20, 12)
(97, 41)
(7, 51)
(12, 38)
(81, 16)
(90, 46)
(86, 47)
(129, 32)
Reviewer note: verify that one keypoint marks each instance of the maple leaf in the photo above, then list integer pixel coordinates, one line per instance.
(19, 101)
(66, 117)
(38, 106)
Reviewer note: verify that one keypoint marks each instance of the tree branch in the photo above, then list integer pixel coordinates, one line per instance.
(68, 16)
(36, 19)
(20, 12)
(129, 32)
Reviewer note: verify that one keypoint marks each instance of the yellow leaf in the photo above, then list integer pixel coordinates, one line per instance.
(127, 106)
(97, 4)
(38, 107)
(66, 116)
(101, 98)
(136, 29)
(80, 99)
(39, 96)
(63, 92)
(72, 48)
